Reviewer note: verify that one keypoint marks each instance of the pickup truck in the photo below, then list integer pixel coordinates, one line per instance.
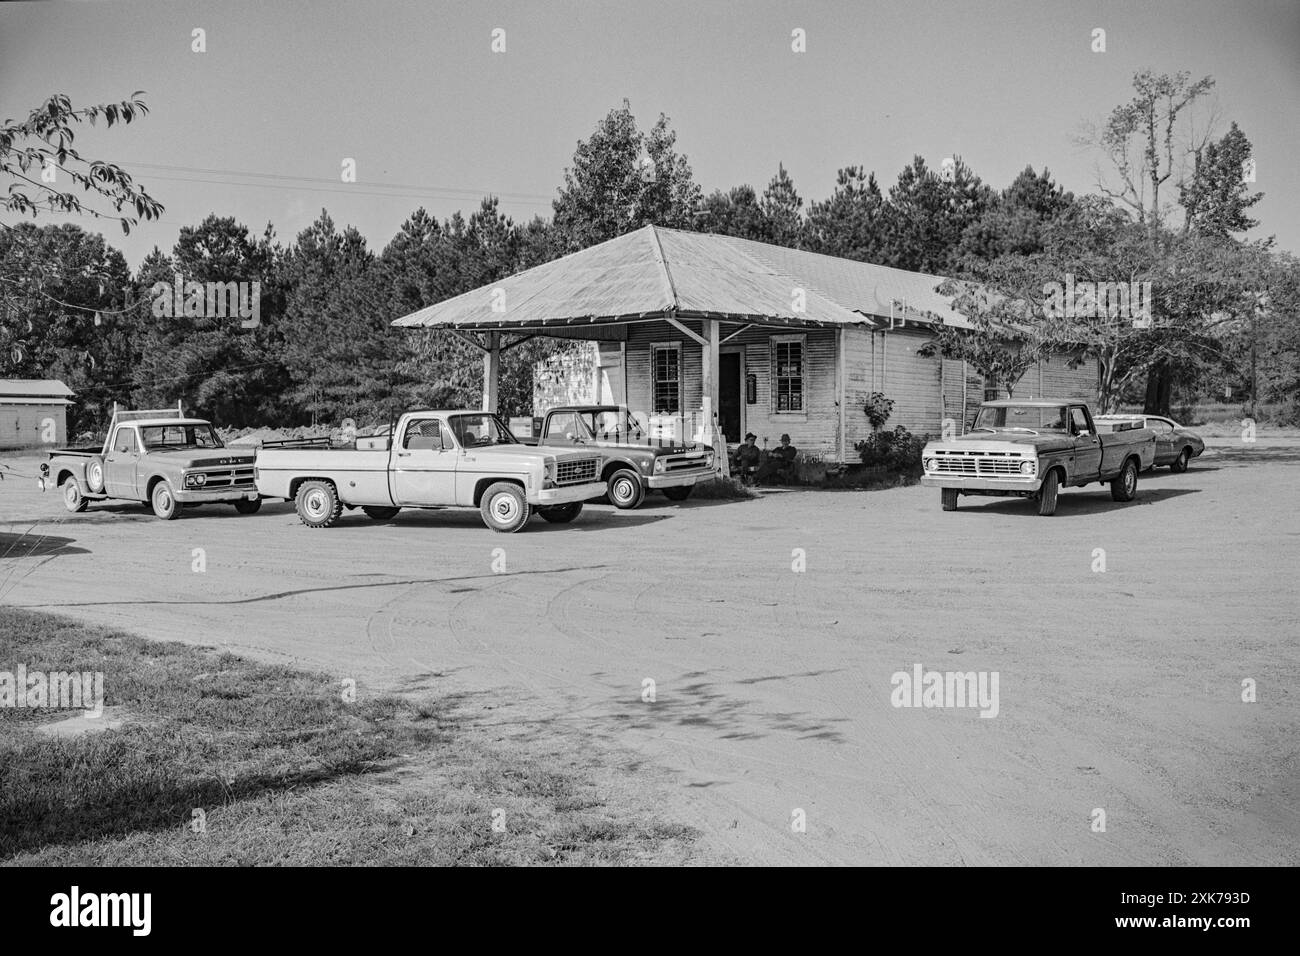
(631, 462)
(158, 457)
(1032, 449)
(433, 459)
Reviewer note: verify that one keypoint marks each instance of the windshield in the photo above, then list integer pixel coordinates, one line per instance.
(179, 436)
(614, 425)
(476, 431)
(1024, 417)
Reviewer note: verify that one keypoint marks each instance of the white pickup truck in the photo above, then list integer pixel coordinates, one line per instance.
(434, 459)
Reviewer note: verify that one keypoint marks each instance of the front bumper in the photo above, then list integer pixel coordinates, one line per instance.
(1028, 485)
(195, 496)
(567, 494)
(677, 479)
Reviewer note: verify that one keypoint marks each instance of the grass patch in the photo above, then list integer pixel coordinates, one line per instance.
(722, 489)
(285, 771)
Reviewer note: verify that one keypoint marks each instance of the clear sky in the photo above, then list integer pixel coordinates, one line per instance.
(413, 92)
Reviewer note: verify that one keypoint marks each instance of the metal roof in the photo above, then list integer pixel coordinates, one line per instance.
(33, 388)
(653, 272)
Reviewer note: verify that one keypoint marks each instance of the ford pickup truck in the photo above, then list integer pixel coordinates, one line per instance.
(158, 457)
(434, 459)
(631, 462)
(1032, 449)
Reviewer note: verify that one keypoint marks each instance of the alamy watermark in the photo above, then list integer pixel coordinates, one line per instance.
(1073, 299)
(922, 688)
(208, 300)
(64, 690)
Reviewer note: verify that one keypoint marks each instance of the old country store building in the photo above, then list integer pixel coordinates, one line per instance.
(771, 340)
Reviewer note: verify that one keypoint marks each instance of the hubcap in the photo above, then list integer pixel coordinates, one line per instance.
(164, 499)
(505, 508)
(70, 494)
(316, 504)
(623, 490)
(1130, 479)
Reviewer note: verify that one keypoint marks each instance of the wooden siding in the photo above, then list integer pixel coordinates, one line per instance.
(925, 391)
(25, 426)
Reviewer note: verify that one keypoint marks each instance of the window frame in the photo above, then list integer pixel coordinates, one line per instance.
(676, 349)
(774, 342)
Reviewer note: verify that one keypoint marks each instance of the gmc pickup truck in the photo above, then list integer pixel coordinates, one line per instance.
(1032, 449)
(433, 459)
(158, 457)
(631, 462)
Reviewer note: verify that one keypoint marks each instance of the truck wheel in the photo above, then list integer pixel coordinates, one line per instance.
(95, 475)
(72, 497)
(504, 507)
(1125, 485)
(680, 493)
(1179, 464)
(318, 504)
(1048, 493)
(249, 506)
(164, 502)
(561, 514)
(949, 498)
(625, 489)
(380, 513)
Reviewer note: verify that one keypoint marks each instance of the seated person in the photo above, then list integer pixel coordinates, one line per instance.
(780, 461)
(748, 456)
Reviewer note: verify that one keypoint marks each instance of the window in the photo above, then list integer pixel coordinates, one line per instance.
(423, 434)
(1159, 426)
(565, 426)
(1078, 420)
(125, 440)
(787, 373)
(666, 378)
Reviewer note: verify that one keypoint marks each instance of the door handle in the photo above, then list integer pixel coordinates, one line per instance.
(403, 454)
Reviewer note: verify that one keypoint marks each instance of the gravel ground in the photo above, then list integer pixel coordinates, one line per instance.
(771, 726)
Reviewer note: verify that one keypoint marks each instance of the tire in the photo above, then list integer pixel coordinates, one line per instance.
(1179, 464)
(249, 506)
(73, 499)
(1125, 484)
(1048, 493)
(625, 491)
(561, 514)
(504, 507)
(948, 496)
(680, 493)
(380, 513)
(318, 503)
(164, 502)
(95, 475)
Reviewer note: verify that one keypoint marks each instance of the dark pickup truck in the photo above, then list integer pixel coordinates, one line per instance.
(631, 461)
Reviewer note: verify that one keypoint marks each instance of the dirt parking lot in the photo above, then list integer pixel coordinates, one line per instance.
(1118, 690)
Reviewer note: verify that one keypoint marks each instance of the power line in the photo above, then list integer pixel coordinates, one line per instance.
(399, 189)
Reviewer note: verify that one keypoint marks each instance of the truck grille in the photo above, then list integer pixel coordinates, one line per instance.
(682, 462)
(229, 477)
(977, 463)
(577, 471)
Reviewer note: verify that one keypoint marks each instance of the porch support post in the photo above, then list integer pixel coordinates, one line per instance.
(491, 371)
(841, 388)
(709, 383)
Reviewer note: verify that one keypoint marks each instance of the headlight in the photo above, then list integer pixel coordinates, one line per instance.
(548, 473)
(929, 464)
(1027, 467)
(196, 481)
(660, 464)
